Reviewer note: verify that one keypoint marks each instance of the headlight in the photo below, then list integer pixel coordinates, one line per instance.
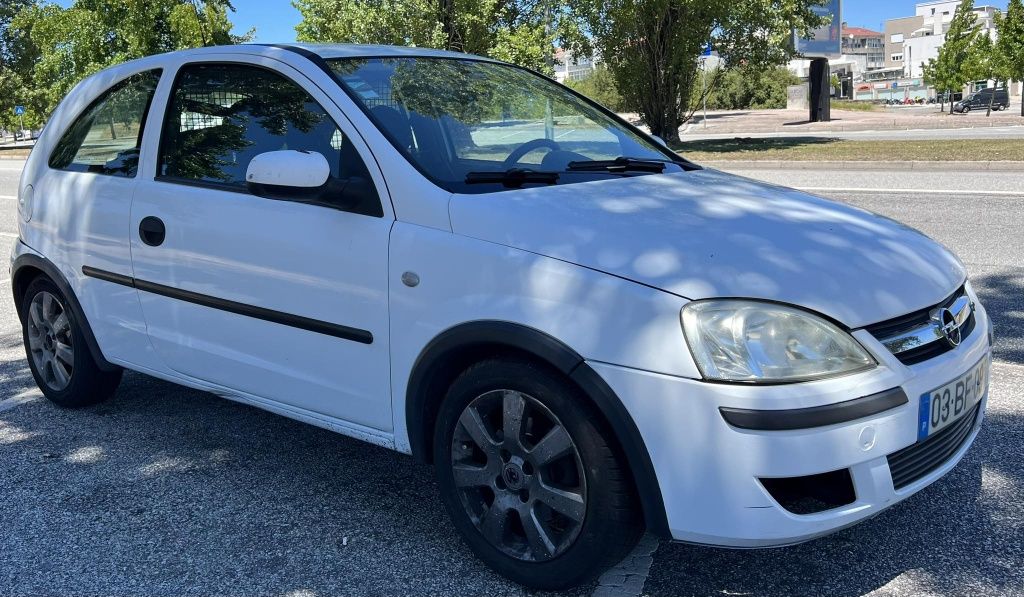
(753, 341)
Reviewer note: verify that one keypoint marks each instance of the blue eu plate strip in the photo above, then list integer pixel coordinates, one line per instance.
(923, 414)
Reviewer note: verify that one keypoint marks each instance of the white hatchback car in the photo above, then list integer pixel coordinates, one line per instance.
(456, 258)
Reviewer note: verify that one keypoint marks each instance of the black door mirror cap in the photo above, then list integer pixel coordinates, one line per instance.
(350, 194)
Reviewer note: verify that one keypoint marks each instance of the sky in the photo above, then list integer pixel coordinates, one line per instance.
(275, 20)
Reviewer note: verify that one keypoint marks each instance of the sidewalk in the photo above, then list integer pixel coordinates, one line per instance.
(874, 166)
(893, 118)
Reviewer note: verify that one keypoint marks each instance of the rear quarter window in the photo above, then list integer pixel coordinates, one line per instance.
(106, 137)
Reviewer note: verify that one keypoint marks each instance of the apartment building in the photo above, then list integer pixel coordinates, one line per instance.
(860, 42)
(924, 42)
(897, 32)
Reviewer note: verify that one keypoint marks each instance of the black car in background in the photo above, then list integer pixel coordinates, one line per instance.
(982, 99)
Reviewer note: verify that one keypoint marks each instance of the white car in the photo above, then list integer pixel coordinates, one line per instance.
(587, 335)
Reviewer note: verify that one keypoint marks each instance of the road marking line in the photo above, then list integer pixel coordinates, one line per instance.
(627, 578)
(9, 234)
(16, 401)
(569, 132)
(1007, 364)
(912, 191)
(7, 197)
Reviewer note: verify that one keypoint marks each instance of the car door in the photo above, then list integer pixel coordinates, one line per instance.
(277, 299)
(82, 200)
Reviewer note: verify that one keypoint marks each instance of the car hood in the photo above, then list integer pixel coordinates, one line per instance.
(705, 234)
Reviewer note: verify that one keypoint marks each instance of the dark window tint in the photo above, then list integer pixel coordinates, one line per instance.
(222, 116)
(105, 139)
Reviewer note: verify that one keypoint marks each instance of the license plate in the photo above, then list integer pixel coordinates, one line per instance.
(944, 405)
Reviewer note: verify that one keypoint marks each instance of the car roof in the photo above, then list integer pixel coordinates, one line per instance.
(329, 51)
(324, 51)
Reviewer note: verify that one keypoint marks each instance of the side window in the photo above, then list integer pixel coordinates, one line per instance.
(223, 115)
(105, 139)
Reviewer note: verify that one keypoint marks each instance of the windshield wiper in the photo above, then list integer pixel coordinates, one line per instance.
(619, 164)
(513, 178)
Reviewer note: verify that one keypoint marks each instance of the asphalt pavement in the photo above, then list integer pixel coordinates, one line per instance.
(170, 491)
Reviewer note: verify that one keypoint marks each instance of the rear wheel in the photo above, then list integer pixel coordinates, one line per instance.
(58, 357)
(531, 478)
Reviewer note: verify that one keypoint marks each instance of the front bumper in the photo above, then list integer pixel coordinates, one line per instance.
(709, 471)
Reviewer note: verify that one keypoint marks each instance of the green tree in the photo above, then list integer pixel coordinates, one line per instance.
(521, 32)
(1010, 42)
(600, 86)
(653, 47)
(17, 55)
(91, 35)
(957, 61)
(752, 89)
(986, 63)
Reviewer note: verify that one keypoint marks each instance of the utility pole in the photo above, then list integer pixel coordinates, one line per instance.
(704, 88)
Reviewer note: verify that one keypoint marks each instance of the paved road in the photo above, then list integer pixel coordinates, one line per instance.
(167, 491)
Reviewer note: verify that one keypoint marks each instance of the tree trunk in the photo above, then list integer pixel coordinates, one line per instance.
(992, 99)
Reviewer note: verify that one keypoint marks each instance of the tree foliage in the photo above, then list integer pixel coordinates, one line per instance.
(957, 62)
(653, 47)
(752, 89)
(517, 31)
(60, 46)
(600, 86)
(1010, 43)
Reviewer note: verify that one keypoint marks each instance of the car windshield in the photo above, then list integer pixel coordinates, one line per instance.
(473, 126)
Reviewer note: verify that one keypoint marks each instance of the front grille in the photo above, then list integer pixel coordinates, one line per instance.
(916, 461)
(922, 319)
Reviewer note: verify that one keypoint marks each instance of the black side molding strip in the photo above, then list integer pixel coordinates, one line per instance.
(815, 416)
(288, 319)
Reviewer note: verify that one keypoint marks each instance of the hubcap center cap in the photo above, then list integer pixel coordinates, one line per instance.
(513, 476)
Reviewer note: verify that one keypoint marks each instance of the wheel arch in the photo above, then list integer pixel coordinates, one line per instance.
(27, 267)
(452, 351)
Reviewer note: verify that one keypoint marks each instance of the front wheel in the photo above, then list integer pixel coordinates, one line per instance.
(531, 478)
(58, 357)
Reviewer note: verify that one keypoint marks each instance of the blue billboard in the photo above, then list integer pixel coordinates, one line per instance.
(825, 41)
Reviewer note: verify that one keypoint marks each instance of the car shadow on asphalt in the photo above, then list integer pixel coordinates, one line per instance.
(167, 490)
(1003, 296)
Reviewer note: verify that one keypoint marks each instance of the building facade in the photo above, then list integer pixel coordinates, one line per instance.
(866, 45)
(569, 67)
(897, 31)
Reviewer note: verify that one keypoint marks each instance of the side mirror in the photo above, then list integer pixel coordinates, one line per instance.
(660, 140)
(287, 173)
(305, 177)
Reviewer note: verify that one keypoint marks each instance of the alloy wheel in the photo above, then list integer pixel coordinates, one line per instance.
(49, 340)
(519, 475)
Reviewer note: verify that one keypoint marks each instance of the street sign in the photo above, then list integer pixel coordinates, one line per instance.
(19, 110)
(707, 50)
(825, 41)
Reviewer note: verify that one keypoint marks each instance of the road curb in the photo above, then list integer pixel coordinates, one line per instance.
(901, 166)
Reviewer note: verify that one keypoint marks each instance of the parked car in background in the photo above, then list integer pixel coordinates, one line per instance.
(588, 336)
(999, 99)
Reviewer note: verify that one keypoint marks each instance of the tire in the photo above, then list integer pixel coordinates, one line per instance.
(57, 353)
(966, 109)
(501, 503)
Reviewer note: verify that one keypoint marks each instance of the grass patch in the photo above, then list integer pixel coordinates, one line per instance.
(855, 106)
(839, 150)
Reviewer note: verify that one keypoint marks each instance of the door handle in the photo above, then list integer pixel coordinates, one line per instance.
(152, 231)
